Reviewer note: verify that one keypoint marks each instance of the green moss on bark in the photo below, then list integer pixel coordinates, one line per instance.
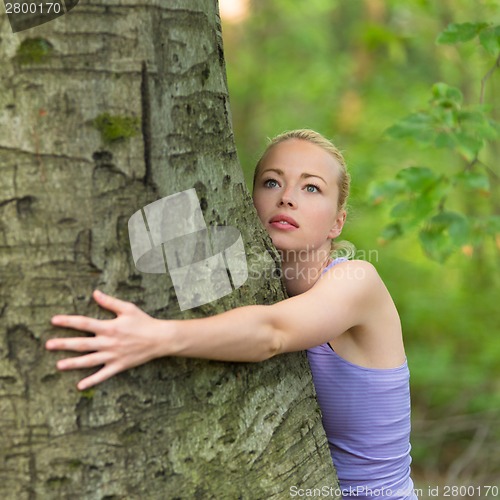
(116, 128)
(34, 51)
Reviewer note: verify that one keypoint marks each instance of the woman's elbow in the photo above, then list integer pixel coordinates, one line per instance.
(273, 345)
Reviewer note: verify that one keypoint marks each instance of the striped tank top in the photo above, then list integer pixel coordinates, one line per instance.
(366, 416)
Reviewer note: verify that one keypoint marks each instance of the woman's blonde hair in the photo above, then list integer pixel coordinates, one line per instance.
(342, 248)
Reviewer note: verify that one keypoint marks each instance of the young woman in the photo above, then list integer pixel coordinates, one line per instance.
(339, 310)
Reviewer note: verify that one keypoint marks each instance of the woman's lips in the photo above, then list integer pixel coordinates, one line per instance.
(283, 222)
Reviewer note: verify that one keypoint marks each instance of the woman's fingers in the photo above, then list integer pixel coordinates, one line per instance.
(93, 325)
(83, 323)
(100, 376)
(103, 349)
(77, 344)
(111, 303)
(88, 361)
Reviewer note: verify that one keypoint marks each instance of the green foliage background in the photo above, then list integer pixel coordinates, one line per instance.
(398, 87)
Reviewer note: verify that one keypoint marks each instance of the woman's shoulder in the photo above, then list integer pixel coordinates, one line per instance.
(358, 278)
(355, 269)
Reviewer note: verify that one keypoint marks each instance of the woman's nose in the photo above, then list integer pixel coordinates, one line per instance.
(287, 199)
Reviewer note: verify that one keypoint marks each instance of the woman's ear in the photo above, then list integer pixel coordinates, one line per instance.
(339, 224)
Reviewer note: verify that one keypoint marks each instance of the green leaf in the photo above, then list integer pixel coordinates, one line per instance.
(414, 210)
(436, 244)
(402, 209)
(468, 146)
(490, 40)
(445, 117)
(479, 124)
(443, 234)
(446, 95)
(445, 140)
(460, 32)
(474, 180)
(417, 178)
(425, 189)
(457, 225)
(418, 126)
(379, 191)
(424, 206)
(391, 232)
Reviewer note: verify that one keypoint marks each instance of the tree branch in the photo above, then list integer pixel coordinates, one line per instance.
(486, 77)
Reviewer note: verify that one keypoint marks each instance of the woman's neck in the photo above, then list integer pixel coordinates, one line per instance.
(301, 270)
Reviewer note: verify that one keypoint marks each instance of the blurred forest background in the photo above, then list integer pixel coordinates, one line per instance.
(355, 70)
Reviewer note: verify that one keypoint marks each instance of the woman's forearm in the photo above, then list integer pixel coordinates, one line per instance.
(242, 334)
(134, 338)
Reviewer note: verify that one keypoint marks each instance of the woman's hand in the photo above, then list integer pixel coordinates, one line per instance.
(130, 339)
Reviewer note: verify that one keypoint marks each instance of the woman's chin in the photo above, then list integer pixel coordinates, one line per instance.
(282, 244)
(287, 247)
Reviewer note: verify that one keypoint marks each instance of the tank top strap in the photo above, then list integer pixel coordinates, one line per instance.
(334, 262)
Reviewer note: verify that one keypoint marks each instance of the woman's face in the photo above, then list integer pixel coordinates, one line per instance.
(296, 195)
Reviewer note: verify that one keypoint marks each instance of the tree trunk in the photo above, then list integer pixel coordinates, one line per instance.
(102, 112)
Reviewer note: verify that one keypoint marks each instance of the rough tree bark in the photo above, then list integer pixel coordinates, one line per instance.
(102, 111)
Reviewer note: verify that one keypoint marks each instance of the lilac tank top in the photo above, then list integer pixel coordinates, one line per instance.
(366, 416)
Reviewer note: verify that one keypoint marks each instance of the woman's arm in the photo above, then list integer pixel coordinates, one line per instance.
(252, 333)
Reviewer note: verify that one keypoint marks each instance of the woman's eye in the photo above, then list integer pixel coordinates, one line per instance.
(311, 188)
(271, 183)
